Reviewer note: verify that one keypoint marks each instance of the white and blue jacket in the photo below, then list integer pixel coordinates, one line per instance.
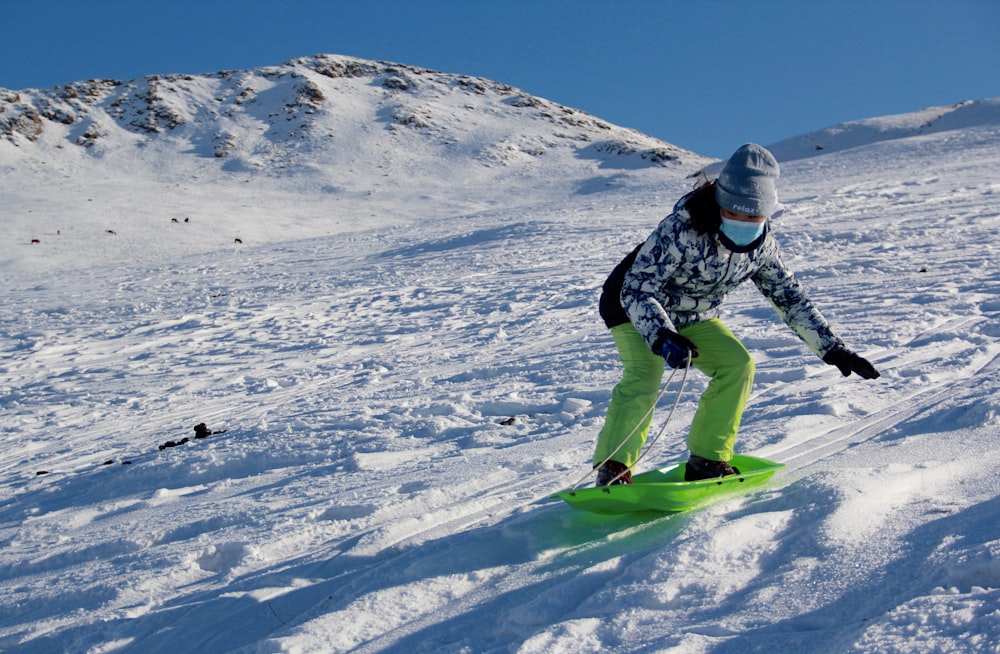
(680, 276)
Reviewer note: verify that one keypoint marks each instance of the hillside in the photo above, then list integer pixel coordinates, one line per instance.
(400, 364)
(363, 139)
(932, 120)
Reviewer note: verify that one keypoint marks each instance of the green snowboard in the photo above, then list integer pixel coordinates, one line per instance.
(664, 489)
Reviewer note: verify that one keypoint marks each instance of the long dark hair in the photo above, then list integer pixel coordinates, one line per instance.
(704, 209)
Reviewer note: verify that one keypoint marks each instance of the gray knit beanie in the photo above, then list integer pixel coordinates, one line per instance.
(746, 183)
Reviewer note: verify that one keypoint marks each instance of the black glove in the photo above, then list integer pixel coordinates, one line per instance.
(849, 362)
(675, 349)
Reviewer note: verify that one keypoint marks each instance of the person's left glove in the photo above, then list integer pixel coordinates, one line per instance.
(849, 362)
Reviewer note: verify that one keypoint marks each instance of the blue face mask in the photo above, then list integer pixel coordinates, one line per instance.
(741, 233)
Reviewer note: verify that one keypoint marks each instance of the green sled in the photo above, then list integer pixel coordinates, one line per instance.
(664, 489)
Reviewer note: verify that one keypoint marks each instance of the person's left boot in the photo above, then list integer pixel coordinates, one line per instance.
(698, 468)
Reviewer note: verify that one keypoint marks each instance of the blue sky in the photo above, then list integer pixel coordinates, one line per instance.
(706, 75)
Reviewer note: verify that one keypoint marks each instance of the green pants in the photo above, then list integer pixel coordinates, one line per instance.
(721, 356)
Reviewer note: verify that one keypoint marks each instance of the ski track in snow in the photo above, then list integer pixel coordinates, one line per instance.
(368, 496)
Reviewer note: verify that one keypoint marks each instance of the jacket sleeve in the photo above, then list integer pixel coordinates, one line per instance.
(657, 259)
(779, 285)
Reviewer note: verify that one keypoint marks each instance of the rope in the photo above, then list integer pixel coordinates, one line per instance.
(649, 411)
(663, 429)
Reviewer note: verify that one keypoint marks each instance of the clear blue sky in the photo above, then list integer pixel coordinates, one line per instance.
(706, 75)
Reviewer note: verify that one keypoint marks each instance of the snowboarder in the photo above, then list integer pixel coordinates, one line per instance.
(662, 302)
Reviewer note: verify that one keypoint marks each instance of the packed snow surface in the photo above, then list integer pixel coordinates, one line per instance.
(400, 381)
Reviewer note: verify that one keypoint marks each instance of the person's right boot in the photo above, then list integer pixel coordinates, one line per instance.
(611, 469)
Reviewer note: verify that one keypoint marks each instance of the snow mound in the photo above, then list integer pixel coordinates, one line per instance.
(375, 144)
(933, 120)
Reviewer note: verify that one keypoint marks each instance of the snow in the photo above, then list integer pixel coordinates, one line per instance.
(402, 378)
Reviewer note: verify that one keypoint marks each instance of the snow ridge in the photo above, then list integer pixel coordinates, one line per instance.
(365, 138)
(299, 105)
(933, 120)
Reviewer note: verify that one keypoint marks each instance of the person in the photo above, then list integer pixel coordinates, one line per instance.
(662, 305)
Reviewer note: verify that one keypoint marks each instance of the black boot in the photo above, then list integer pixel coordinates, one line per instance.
(612, 469)
(700, 468)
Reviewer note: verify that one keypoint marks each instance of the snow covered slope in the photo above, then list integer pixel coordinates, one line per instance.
(397, 395)
(233, 155)
(933, 120)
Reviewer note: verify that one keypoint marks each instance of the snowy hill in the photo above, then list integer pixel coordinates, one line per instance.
(364, 139)
(933, 120)
(403, 359)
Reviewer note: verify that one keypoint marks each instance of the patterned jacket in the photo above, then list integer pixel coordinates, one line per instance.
(680, 277)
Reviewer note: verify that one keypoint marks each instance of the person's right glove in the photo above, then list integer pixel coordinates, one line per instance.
(849, 362)
(675, 349)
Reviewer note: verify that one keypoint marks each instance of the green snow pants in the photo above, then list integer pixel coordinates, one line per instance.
(721, 356)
